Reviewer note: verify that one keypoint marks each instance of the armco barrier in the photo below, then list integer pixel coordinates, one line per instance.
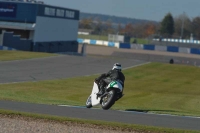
(98, 42)
(137, 46)
(172, 49)
(80, 40)
(160, 48)
(142, 47)
(111, 44)
(166, 48)
(194, 51)
(184, 50)
(93, 42)
(125, 45)
(149, 47)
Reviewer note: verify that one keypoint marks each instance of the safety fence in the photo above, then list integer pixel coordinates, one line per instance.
(98, 42)
(178, 40)
(151, 47)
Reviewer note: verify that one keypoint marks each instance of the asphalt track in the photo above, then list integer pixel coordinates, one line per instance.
(58, 67)
(65, 66)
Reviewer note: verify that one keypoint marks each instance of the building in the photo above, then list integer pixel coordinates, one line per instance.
(34, 26)
(84, 31)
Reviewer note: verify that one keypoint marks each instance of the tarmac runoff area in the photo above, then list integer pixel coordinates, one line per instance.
(59, 67)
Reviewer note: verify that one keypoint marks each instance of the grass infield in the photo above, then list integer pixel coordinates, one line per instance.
(20, 55)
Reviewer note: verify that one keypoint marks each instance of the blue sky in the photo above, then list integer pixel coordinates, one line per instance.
(139, 9)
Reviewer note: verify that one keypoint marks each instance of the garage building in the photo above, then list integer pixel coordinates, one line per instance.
(38, 27)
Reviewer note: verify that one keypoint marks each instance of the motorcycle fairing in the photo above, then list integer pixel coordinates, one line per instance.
(95, 99)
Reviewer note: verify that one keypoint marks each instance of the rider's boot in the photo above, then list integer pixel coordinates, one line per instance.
(101, 90)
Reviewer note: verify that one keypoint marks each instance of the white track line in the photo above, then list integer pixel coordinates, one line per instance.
(122, 69)
(137, 65)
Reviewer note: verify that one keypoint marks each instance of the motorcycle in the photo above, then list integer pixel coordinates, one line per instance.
(113, 92)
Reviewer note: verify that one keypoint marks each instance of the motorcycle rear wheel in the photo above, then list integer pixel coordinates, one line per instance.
(108, 100)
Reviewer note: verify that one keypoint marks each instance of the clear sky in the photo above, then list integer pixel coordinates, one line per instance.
(139, 9)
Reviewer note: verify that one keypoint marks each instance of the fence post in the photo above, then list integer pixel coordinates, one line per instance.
(83, 51)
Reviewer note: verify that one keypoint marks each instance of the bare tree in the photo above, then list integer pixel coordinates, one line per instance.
(196, 27)
(183, 26)
(98, 27)
(108, 26)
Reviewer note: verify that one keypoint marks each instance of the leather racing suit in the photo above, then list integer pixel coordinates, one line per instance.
(108, 77)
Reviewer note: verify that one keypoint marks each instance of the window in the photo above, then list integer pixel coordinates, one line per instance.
(49, 11)
(60, 13)
(70, 14)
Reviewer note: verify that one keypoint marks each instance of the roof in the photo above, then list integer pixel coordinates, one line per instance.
(34, 2)
(24, 1)
(17, 25)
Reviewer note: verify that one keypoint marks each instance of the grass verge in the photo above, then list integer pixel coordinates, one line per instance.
(20, 55)
(91, 123)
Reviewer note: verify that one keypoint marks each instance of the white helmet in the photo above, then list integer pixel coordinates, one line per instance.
(117, 66)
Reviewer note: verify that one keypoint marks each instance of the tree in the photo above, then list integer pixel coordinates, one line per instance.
(183, 26)
(120, 28)
(98, 27)
(139, 31)
(109, 26)
(86, 23)
(167, 26)
(196, 27)
(150, 29)
(128, 29)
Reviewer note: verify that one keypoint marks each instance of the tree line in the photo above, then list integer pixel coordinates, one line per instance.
(170, 27)
(115, 19)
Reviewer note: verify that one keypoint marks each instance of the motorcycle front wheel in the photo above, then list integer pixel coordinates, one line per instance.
(89, 102)
(108, 100)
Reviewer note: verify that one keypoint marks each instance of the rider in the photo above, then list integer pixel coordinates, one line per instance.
(106, 78)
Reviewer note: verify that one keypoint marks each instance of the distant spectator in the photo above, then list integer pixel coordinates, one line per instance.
(160, 38)
(135, 40)
(171, 61)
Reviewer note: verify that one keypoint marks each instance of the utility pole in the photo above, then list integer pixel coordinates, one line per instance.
(182, 27)
(116, 39)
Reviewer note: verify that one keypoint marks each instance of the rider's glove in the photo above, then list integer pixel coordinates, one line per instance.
(96, 81)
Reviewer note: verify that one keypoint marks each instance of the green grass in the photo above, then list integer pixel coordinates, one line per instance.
(140, 41)
(105, 38)
(20, 55)
(92, 123)
(155, 87)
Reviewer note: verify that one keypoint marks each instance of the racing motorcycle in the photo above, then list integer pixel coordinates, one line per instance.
(113, 92)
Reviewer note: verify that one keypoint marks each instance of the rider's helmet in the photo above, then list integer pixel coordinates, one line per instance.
(117, 66)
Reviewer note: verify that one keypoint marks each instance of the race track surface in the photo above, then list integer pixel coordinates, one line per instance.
(65, 66)
(58, 67)
(106, 115)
